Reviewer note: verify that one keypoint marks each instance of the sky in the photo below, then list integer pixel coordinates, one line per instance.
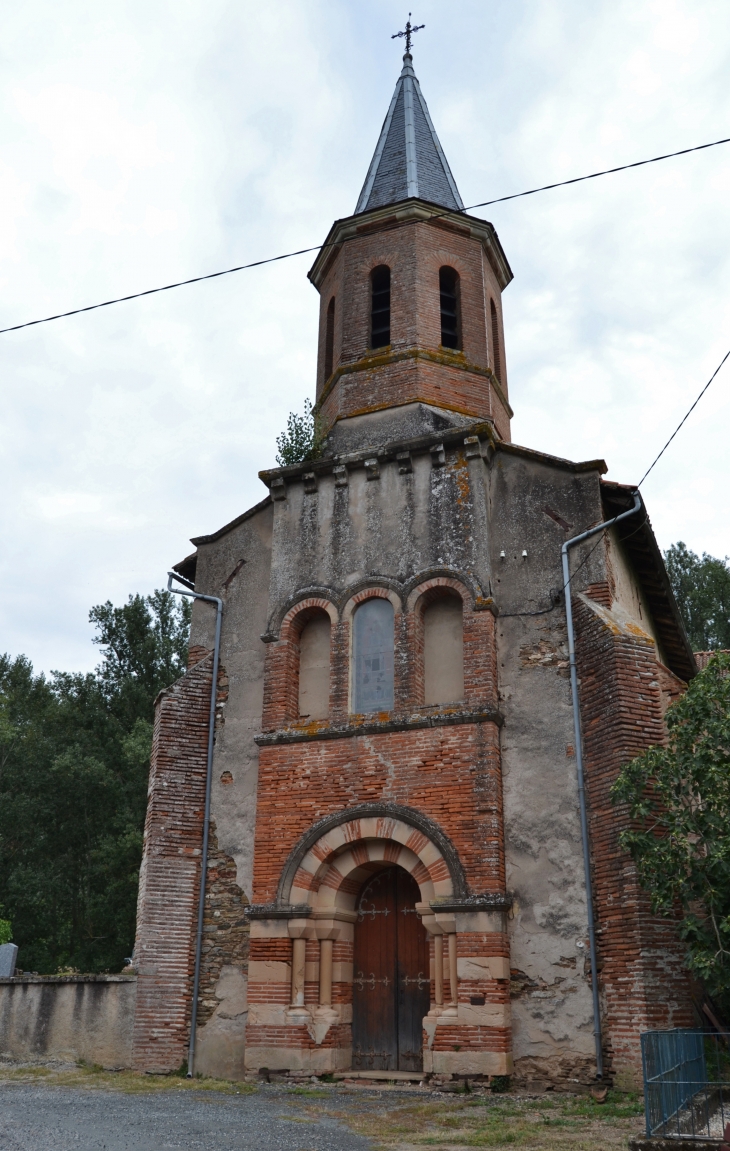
(142, 143)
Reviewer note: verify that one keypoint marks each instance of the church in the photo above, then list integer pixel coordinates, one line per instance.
(376, 868)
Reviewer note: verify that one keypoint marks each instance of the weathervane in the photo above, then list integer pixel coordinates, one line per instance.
(410, 29)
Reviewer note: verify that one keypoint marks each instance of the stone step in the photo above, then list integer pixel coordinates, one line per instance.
(402, 1076)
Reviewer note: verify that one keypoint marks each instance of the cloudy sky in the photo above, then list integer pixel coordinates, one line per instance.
(144, 142)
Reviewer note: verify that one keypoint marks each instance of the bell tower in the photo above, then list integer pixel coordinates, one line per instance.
(410, 289)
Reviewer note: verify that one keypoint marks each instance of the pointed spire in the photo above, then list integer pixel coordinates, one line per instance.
(409, 160)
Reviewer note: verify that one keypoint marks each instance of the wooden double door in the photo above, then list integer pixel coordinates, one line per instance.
(391, 983)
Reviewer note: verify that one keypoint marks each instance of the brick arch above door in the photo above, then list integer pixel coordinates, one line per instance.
(332, 850)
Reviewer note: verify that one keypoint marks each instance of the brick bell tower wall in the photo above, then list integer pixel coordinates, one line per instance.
(414, 367)
(643, 981)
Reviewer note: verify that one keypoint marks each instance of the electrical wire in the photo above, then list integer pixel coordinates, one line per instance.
(683, 421)
(322, 247)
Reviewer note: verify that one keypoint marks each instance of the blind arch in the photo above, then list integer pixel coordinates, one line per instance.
(314, 667)
(443, 649)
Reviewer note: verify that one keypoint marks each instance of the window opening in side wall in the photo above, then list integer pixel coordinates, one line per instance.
(380, 307)
(329, 340)
(450, 318)
(372, 656)
(314, 668)
(495, 342)
(443, 650)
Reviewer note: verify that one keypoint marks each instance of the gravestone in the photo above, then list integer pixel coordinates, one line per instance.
(8, 955)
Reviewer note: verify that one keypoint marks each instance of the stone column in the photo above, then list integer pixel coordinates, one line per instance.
(325, 972)
(453, 981)
(299, 947)
(438, 964)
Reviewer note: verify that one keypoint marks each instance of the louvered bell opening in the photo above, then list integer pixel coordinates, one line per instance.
(380, 311)
(449, 288)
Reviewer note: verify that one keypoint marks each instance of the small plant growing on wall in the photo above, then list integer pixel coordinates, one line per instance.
(302, 439)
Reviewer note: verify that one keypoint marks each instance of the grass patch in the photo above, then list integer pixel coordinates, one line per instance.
(552, 1123)
(129, 1082)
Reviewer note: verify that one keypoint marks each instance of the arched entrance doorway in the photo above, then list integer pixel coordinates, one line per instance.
(391, 982)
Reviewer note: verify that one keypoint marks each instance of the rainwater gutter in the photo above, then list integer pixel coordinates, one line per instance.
(206, 818)
(579, 768)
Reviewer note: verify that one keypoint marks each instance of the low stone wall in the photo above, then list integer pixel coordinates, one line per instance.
(89, 1017)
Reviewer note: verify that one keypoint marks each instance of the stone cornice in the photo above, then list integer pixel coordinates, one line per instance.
(489, 901)
(441, 356)
(413, 211)
(369, 726)
(449, 437)
(278, 911)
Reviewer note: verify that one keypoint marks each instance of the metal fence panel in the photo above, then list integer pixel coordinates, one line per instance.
(686, 1083)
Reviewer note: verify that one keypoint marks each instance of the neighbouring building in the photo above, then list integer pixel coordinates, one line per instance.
(395, 878)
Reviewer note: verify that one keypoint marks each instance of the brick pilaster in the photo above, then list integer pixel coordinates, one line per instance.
(643, 980)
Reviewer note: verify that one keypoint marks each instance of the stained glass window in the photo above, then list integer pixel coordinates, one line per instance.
(372, 650)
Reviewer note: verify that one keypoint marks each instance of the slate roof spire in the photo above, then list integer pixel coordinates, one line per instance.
(409, 160)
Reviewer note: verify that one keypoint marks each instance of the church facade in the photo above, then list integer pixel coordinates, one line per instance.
(395, 876)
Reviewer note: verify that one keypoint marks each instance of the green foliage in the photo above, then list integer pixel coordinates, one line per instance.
(302, 439)
(6, 930)
(74, 760)
(702, 590)
(678, 798)
(500, 1083)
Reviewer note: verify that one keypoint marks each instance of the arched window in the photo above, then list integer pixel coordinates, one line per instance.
(495, 342)
(329, 340)
(314, 667)
(372, 656)
(443, 650)
(380, 307)
(450, 318)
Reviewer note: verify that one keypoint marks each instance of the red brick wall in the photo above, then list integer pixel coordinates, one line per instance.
(167, 907)
(451, 774)
(644, 984)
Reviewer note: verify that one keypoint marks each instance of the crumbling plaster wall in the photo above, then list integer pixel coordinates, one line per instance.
(551, 1007)
(390, 528)
(236, 568)
(245, 600)
(627, 593)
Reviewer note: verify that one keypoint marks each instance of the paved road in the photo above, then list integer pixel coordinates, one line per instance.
(38, 1118)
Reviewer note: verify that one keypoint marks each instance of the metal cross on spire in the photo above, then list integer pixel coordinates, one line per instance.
(410, 29)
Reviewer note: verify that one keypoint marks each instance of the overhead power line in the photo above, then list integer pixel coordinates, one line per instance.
(684, 418)
(646, 473)
(321, 247)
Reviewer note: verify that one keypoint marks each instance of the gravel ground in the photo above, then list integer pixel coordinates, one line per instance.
(45, 1118)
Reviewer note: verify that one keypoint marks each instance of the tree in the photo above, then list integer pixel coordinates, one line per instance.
(702, 590)
(678, 799)
(74, 761)
(302, 439)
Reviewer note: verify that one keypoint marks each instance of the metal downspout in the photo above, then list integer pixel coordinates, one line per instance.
(579, 768)
(206, 817)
